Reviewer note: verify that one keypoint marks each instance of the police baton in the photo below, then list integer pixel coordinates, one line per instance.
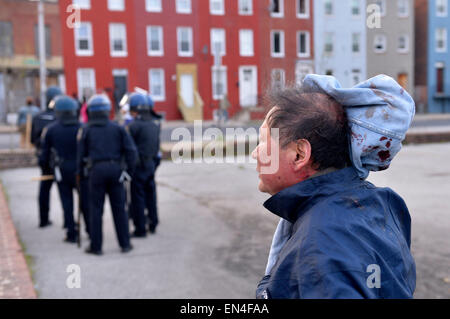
(79, 211)
(125, 178)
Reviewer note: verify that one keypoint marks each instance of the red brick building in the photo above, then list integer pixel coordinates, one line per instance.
(167, 47)
(19, 60)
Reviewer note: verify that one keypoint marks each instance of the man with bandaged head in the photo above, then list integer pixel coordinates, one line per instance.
(339, 236)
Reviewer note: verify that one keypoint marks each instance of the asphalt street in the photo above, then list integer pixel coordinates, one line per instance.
(215, 235)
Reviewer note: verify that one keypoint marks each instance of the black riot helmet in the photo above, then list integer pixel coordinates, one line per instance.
(66, 109)
(50, 94)
(138, 103)
(98, 108)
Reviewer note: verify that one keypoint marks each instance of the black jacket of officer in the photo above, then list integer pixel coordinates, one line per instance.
(44, 118)
(58, 151)
(103, 147)
(40, 121)
(145, 134)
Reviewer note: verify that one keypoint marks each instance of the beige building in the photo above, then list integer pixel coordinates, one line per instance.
(390, 44)
(19, 60)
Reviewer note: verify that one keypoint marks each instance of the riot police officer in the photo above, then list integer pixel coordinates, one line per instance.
(145, 134)
(39, 122)
(58, 151)
(102, 148)
(152, 204)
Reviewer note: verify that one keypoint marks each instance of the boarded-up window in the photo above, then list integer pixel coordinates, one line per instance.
(6, 39)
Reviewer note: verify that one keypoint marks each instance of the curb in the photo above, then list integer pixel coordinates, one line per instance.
(15, 277)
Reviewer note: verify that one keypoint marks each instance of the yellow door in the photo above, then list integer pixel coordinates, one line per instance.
(189, 100)
(403, 80)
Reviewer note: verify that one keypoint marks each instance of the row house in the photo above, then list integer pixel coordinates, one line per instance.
(340, 40)
(355, 41)
(432, 55)
(390, 45)
(189, 54)
(19, 53)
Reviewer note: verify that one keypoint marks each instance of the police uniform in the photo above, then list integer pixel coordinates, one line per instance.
(102, 148)
(152, 203)
(145, 134)
(58, 151)
(40, 121)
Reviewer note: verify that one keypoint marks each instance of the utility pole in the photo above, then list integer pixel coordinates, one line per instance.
(42, 53)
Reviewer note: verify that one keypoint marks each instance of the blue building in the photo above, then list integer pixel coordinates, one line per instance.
(438, 63)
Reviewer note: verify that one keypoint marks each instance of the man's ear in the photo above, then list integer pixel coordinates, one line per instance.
(303, 154)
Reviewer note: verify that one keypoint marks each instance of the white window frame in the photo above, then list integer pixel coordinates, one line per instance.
(444, 39)
(124, 52)
(406, 49)
(325, 43)
(162, 96)
(401, 4)
(278, 14)
(224, 80)
(90, 50)
(213, 11)
(250, 5)
(384, 41)
(149, 8)
(359, 42)
(282, 77)
(189, 53)
(82, 4)
(307, 54)
(113, 5)
(302, 15)
(81, 81)
(325, 8)
(272, 44)
(359, 8)
(445, 4)
(160, 30)
(357, 73)
(220, 35)
(179, 9)
(242, 39)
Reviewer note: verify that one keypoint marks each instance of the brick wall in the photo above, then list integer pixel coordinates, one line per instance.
(17, 158)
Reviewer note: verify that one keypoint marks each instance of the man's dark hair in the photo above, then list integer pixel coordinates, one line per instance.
(313, 116)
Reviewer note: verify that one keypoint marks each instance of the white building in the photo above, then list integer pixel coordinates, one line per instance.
(340, 40)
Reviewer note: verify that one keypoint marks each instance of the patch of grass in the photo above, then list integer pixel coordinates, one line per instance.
(28, 258)
(5, 192)
(30, 263)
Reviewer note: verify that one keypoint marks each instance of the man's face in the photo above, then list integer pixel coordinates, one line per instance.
(133, 114)
(268, 151)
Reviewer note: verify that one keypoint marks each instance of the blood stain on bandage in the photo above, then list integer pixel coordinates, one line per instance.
(370, 112)
(358, 138)
(384, 155)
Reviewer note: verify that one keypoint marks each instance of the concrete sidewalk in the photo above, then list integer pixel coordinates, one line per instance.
(15, 278)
